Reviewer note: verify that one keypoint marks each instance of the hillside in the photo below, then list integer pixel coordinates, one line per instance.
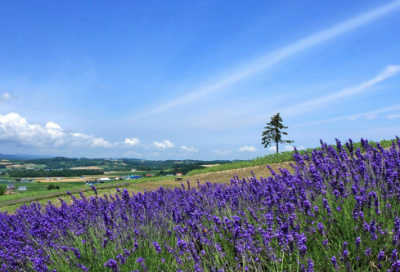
(315, 206)
(278, 158)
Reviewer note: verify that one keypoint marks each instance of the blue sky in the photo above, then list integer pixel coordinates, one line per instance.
(195, 79)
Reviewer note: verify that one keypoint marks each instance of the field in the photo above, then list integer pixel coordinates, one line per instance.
(41, 194)
(336, 210)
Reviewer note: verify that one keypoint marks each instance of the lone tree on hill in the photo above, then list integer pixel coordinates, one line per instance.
(273, 133)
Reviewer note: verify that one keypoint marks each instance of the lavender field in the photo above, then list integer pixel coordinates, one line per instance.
(338, 210)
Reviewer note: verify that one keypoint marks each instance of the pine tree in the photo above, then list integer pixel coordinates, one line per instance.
(273, 133)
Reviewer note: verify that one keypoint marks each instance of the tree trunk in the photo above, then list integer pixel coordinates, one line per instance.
(277, 148)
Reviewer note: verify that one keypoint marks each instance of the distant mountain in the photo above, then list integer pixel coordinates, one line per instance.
(22, 157)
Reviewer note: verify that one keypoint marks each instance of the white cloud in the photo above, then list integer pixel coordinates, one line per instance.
(392, 116)
(247, 149)
(187, 149)
(272, 148)
(222, 152)
(100, 142)
(163, 145)
(289, 148)
(132, 141)
(16, 130)
(244, 71)
(5, 97)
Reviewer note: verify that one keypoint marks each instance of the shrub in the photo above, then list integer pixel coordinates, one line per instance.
(52, 187)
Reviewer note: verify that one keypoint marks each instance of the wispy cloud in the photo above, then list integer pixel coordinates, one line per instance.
(189, 149)
(322, 102)
(349, 117)
(392, 116)
(247, 70)
(5, 97)
(247, 149)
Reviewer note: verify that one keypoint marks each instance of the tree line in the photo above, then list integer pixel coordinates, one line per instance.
(54, 173)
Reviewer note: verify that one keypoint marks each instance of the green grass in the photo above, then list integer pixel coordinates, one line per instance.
(29, 196)
(271, 159)
(38, 191)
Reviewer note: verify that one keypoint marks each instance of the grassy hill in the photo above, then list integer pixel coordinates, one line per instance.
(275, 158)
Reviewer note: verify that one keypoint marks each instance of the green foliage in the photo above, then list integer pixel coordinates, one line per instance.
(273, 132)
(2, 190)
(62, 162)
(53, 187)
(54, 173)
(118, 165)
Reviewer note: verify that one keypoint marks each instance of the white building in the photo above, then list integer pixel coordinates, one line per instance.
(104, 179)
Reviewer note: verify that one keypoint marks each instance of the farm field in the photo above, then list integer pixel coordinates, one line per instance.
(336, 212)
(214, 173)
(134, 185)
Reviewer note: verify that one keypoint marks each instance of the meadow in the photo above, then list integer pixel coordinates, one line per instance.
(274, 158)
(336, 211)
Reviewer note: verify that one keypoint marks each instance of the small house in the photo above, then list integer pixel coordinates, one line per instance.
(179, 174)
(149, 175)
(104, 179)
(11, 186)
(22, 188)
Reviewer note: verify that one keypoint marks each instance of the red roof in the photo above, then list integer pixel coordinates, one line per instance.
(179, 174)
